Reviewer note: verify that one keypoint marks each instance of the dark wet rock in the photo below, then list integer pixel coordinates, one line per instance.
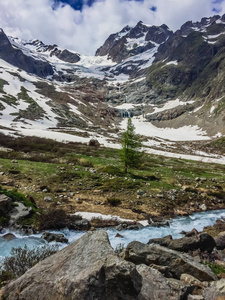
(86, 269)
(75, 224)
(177, 262)
(5, 204)
(9, 236)
(202, 241)
(54, 237)
(127, 226)
(94, 143)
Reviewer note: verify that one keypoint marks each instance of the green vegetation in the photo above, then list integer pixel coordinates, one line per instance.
(34, 111)
(96, 177)
(217, 269)
(131, 147)
(22, 259)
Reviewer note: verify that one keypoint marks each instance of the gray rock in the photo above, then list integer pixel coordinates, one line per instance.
(156, 286)
(5, 204)
(220, 240)
(56, 237)
(82, 224)
(177, 263)
(202, 241)
(215, 290)
(47, 198)
(87, 269)
(19, 211)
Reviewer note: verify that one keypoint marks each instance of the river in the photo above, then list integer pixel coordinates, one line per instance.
(186, 223)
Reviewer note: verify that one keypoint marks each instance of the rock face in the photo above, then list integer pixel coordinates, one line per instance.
(220, 240)
(5, 204)
(86, 269)
(17, 58)
(202, 241)
(156, 286)
(215, 291)
(50, 237)
(176, 262)
(124, 44)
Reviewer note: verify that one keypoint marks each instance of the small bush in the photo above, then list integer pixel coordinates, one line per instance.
(112, 170)
(5, 277)
(22, 259)
(114, 201)
(52, 219)
(85, 163)
(214, 267)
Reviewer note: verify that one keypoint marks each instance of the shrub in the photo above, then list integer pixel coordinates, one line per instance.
(114, 201)
(85, 163)
(52, 219)
(112, 170)
(22, 259)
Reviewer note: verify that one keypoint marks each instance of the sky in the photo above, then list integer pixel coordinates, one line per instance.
(84, 25)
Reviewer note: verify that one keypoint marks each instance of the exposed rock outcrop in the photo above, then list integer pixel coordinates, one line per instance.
(176, 262)
(56, 237)
(17, 58)
(86, 269)
(202, 241)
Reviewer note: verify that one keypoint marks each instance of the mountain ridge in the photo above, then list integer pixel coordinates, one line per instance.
(136, 72)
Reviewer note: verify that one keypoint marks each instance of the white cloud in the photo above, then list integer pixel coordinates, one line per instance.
(85, 31)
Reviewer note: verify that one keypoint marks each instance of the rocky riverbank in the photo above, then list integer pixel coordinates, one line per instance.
(90, 269)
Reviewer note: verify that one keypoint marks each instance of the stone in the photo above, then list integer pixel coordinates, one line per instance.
(202, 241)
(86, 269)
(189, 279)
(156, 286)
(94, 143)
(19, 211)
(5, 204)
(195, 297)
(203, 207)
(54, 237)
(220, 240)
(215, 290)
(9, 236)
(75, 224)
(177, 262)
(48, 198)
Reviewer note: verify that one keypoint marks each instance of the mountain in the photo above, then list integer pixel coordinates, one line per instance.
(162, 78)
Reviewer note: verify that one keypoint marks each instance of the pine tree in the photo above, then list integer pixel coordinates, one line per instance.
(131, 146)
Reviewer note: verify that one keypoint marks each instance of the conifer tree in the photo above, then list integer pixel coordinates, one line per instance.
(131, 146)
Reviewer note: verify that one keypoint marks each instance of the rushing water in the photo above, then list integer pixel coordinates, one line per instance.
(197, 220)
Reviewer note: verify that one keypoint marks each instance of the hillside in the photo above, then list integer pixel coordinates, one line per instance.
(171, 83)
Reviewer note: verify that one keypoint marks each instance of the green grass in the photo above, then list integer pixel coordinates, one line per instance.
(78, 168)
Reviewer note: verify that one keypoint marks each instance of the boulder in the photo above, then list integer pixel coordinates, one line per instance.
(220, 240)
(156, 286)
(54, 237)
(86, 269)
(94, 143)
(177, 262)
(5, 204)
(202, 241)
(9, 236)
(75, 224)
(19, 211)
(215, 290)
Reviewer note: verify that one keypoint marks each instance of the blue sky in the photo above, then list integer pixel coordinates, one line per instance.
(83, 25)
